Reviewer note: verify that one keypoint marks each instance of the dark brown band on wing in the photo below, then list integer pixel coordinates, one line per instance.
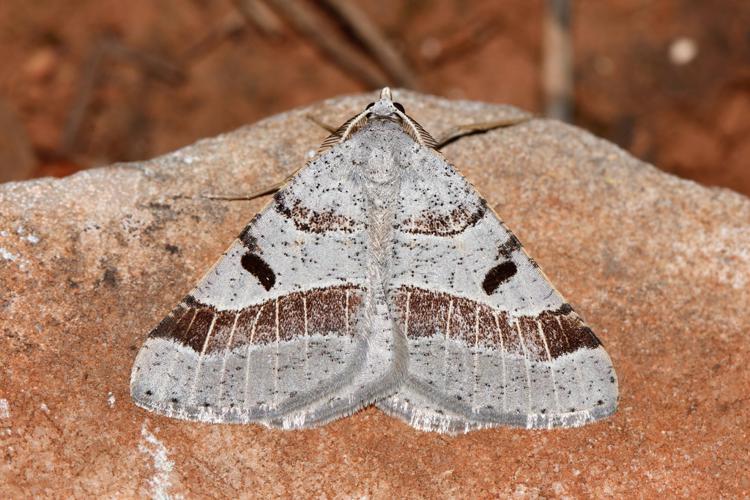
(322, 311)
(247, 239)
(567, 333)
(444, 224)
(306, 219)
(506, 249)
(432, 313)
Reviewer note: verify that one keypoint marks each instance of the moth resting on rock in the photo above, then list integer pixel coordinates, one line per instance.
(377, 275)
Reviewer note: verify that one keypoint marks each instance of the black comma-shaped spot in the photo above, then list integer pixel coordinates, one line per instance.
(498, 275)
(256, 266)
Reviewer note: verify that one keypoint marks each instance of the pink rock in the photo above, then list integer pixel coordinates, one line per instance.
(657, 265)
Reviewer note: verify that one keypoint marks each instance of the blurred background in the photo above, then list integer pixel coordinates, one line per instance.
(85, 83)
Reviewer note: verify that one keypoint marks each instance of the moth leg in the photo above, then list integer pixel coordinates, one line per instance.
(451, 135)
(276, 185)
(255, 194)
(477, 128)
(246, 197)
(325, 126)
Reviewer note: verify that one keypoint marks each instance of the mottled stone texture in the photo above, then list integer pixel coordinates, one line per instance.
(658, 266)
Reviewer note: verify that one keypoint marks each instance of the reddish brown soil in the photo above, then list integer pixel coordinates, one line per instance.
(691, 119)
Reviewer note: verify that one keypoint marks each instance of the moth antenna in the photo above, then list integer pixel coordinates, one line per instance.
(343, 132)
(417, 132)
(352, 125)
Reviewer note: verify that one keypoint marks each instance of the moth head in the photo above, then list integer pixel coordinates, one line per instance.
(386, 108)
(382, 109)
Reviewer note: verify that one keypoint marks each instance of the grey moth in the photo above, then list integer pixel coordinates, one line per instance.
(376, 275)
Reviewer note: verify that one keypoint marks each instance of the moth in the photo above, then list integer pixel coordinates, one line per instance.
(376, 275)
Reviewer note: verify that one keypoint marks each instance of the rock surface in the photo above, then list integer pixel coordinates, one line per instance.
(658, 266)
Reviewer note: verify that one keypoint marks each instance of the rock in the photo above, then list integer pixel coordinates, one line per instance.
(658, 266)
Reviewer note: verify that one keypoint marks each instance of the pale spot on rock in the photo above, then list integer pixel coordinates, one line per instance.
(6, 255)
(4, 409)
(160, 482)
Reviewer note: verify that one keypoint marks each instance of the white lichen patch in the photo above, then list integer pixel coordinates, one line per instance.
(160, 482)
(4, 409)
(13, 254)
(27, 236)
(727, 249)
(7, 255)
(110, 400)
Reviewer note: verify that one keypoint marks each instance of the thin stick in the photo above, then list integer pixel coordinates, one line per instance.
(557, 70)
(470, 38)
(109, 46)
(150, 64)
(89, 80)
(230, 26)
(308, 25)
(261, 16)
(371, 36)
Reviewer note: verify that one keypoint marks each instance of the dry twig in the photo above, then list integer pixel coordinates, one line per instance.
(261, 16)
(309, 25)
(558, 60)
(469, 38)
(230, 26)
(375, 41)
(109, 46)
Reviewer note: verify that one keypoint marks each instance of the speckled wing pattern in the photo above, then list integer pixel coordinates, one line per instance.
(377, 275)
(490, 341)
(281, 328)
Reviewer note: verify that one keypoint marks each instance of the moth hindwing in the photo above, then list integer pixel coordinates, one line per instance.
(376, 275)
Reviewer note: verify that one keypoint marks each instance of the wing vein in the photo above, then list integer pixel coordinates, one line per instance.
(276, 357)
(307, 338)
(526, 362)
(228, 347)
(346, 312)
(579, 376)
(406, 320)
(475, 387)
(247, 357)
(551, 369)
(446, 345)
(173, 362)
(502, 361)
(191, 396)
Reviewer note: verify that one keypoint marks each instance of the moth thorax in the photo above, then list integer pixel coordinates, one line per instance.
(380, 166)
